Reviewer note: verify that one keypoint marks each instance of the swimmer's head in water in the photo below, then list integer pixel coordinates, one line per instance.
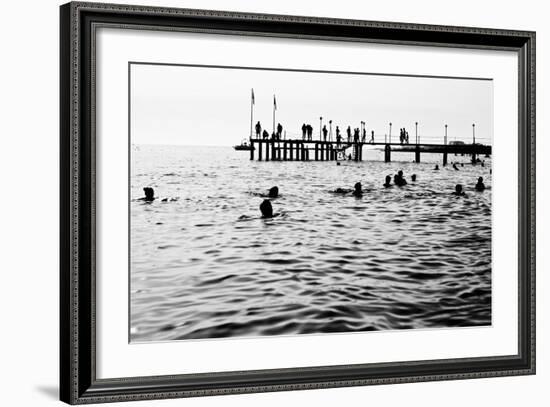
(266, 209)
(458, 188)
(413, 177)
(149, 193)
(388, 179)
(274, 192)
(480, 180)
(400, 173)
(357, 186)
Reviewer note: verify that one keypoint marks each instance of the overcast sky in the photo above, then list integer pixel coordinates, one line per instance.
(181, 105)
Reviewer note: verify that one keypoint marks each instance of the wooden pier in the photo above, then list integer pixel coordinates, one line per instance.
(317, 150)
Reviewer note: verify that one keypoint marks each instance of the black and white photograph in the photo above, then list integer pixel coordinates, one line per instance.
(269, 202)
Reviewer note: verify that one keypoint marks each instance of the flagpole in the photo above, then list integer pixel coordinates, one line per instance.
(251, 114)
(274, 108)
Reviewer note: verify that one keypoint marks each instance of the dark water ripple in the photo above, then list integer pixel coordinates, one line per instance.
(207, 266)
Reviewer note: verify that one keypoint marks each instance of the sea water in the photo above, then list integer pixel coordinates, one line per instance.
(205, 264)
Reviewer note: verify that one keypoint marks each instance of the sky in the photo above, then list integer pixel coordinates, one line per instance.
(183, 105)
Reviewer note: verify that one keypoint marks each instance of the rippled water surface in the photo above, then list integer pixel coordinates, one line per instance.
(204, 264)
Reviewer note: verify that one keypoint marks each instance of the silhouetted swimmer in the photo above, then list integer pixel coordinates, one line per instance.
(480, 186)
(436, 168)
(266, 209)
(399, 180)
(413, 178)
(149, 194)
(387, 184)
(458, 190)
(273, 192)
(358, 192)
(337, 163)
(455, 167)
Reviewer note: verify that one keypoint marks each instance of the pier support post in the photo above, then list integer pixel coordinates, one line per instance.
(417, 154)
(260, 144)
(284, 150)
(251, 149)
(474, 159)
(444, 158)
(290, 152)
(316, 152)
(387, 153)
(322, 152)
(273, 152)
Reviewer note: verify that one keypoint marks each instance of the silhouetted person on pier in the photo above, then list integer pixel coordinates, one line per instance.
(388, 184)
(309, 128)
(455, 167)
(364, 135)
(436, 168)
(279, 131)
(149, 194)
(265, 135)
(258, 130)
(304, 130)
(480, 186)
(413, 178)
(325, 132)
(273, 192)
(372, 137)
(406, 137)
(356, 135)
(338, 137)
(348, 131)
(458, 190)
(401, 135)
(358, 191)
(266, 209)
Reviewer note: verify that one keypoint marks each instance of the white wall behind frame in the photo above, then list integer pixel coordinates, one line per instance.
(29, 168)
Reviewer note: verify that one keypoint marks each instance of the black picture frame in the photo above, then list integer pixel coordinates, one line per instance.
(78, 382)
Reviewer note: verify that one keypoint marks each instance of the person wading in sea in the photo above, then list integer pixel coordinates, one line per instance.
(480, 186)
(149, 194)
(458, 190)
(266, 209)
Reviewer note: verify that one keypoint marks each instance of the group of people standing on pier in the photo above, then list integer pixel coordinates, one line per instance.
(276, 135)
(307, 134)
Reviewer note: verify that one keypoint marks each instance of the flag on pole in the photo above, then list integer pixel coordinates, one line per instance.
(274, 103)
(253, 100)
